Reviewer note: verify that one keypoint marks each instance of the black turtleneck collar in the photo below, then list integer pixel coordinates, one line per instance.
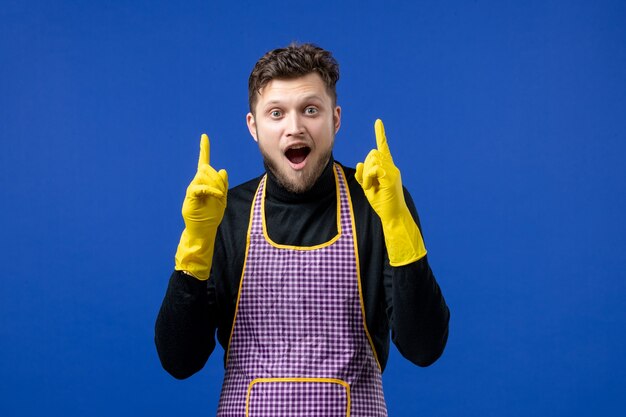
(324, 186)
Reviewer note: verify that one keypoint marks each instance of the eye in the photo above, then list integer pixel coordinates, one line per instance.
(276, 114)
(311, 110)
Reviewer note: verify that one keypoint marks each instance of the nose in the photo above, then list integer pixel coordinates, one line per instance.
(294, 125)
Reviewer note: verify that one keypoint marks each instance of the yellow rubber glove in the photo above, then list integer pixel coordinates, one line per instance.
(382, 185)
(203, 210)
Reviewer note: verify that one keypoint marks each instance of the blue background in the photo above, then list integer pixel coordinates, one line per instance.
(507, 120)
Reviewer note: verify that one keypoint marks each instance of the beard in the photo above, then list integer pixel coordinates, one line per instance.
(299, 181)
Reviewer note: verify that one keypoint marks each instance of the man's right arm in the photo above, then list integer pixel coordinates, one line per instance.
(185, 327)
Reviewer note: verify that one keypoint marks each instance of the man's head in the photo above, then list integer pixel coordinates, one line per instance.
(293, 113)
(292, 62)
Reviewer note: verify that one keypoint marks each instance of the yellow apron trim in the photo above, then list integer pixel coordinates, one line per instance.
(318, 380)
(358, 271)
(243, 270)
(321, 245)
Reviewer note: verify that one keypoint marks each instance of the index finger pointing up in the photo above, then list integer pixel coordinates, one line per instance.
(205, 150)
(381, 139)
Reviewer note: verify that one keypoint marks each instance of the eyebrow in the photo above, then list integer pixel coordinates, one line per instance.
(312, 97)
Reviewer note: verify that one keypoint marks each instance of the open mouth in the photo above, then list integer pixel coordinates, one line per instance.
(297, 155)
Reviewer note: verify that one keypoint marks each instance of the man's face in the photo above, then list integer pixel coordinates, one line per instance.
(295, 123)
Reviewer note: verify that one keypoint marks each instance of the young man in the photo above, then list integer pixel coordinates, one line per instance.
(302, 271)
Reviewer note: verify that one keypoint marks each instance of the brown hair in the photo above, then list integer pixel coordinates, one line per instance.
(292, 62)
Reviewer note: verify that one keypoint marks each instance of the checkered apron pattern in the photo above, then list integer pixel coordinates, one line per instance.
(298, 345)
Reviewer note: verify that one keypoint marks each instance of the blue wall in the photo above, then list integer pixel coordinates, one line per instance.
(507, 119)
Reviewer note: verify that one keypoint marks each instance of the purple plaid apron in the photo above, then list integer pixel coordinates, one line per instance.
(299, 346)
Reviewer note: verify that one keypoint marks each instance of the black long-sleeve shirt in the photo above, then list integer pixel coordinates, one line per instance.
(405, 299)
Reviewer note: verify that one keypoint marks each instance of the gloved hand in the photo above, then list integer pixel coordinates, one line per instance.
(382, 185)
(203, 210)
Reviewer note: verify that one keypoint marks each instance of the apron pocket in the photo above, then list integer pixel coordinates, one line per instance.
(298, 397)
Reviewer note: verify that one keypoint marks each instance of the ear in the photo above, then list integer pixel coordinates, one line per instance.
(251, 126)
(337, 118)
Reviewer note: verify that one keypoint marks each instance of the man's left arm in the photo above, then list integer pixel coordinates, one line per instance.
(417, 312)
